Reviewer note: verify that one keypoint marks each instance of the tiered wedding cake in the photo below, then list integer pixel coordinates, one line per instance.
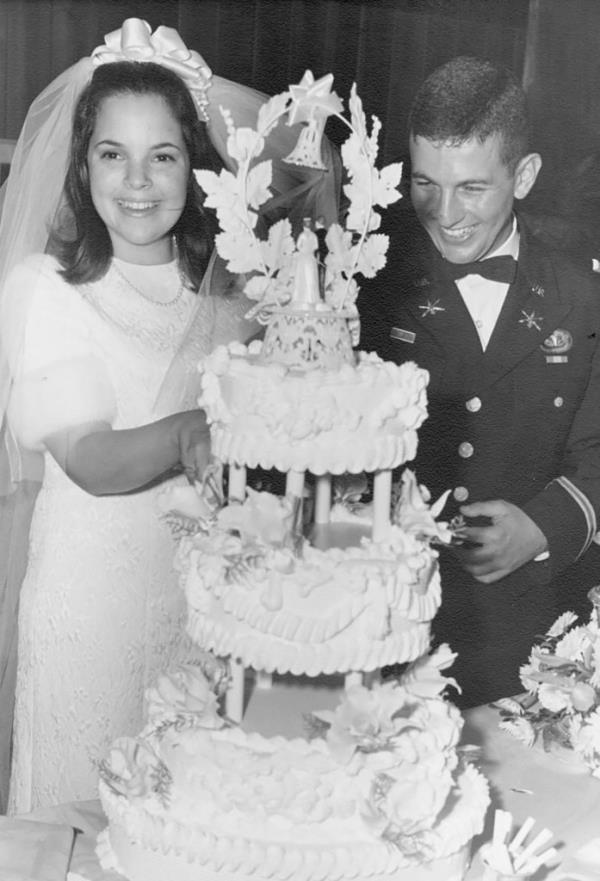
(377, 788)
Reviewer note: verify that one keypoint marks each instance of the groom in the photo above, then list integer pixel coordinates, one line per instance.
(510, 335)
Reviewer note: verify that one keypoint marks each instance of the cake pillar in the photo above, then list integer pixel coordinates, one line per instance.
(352, 679)
(237, 483)
(323, 498)
(294, 484)
(263, 680)
(234, 698)
(382, 500)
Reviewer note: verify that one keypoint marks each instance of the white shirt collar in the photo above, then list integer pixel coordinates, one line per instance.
(510, 245)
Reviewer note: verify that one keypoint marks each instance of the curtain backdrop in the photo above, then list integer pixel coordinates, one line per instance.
(386, 46)
(562, 79)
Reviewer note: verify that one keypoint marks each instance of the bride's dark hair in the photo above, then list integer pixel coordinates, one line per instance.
(79, 239)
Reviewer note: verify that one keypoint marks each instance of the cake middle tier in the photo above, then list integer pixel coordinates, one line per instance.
(325, 611)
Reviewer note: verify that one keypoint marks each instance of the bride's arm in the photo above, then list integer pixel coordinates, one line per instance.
(103, 461)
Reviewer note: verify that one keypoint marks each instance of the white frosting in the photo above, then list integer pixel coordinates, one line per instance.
(273, 808)
(152, 848)
(141, 862)
(378, 793)
(357, 418)
(329, 611)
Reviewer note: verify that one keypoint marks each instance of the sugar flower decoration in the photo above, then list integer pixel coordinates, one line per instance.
(190, 507)
(402, 738)
(424, 676)
(185, 692)
(367, 720)
(413, 512)
(133, 769)
(263, 517)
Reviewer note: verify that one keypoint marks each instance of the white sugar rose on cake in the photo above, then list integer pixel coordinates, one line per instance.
(226, 783)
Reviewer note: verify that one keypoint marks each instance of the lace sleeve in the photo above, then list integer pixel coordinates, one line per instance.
(59, 381)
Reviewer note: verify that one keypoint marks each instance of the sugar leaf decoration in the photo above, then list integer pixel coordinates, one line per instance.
(268, 258)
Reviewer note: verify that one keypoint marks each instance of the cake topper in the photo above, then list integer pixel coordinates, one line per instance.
(283, 271)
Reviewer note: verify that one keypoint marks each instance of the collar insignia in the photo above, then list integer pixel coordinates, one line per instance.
(538, 290)
(430, 308)
(422, 282)
(531, 319)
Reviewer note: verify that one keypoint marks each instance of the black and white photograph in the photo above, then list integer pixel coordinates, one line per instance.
(299, 440)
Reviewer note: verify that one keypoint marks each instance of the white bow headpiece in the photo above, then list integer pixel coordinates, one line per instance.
(134, 41)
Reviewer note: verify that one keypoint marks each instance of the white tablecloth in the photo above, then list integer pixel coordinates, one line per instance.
(558, 794)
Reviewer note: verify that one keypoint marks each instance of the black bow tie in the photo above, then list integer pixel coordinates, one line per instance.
(503, 268)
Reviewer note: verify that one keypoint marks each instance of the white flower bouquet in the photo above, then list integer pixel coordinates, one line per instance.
(562, 681)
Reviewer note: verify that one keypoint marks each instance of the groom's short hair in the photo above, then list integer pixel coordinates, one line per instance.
(470, 98)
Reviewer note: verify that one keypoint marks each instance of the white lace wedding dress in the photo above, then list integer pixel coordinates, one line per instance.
(101, 613)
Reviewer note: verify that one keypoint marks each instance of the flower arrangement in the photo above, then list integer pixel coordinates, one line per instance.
(273, 262)
(562, 680)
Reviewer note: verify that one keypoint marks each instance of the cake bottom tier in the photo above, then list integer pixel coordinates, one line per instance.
(376, 792)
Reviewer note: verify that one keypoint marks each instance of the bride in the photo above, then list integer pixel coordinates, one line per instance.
(101, 331)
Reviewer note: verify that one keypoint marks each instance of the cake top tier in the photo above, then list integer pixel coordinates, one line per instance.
(307, 265)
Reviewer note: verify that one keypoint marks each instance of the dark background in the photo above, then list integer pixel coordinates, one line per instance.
(386, 46)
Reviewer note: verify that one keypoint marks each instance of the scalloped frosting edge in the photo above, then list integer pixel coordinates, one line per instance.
(237, 858)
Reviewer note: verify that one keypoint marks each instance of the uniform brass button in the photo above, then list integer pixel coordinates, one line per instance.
(473, 405)
(558, 402)
(466, 450)
(461, 493)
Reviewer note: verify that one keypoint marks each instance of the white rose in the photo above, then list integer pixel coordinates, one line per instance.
(133, 768)
(417, 797)
(262, 516)
(184, 500)
(554, 698)
(185, 691)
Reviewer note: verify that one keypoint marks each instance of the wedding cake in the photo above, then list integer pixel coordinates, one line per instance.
(322, 579)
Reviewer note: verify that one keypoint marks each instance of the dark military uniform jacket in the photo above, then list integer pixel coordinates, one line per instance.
(519, 422)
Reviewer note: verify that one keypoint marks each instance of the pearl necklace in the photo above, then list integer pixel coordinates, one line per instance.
(144, 296)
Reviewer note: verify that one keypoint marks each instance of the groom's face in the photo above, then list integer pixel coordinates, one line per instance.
(463, 195)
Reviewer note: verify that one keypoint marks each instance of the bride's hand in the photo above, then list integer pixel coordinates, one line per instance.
(194, 443)
(102, 461)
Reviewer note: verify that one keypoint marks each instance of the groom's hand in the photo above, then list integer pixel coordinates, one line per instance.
(508, 539)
